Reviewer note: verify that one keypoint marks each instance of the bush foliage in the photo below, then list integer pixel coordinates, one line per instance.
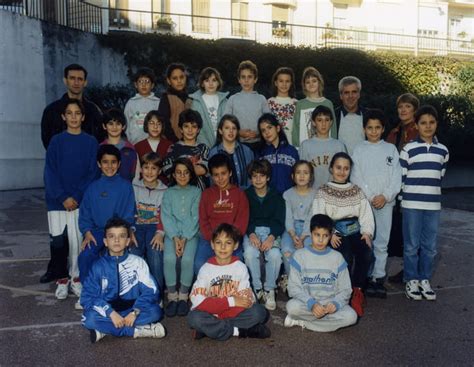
(446, 83)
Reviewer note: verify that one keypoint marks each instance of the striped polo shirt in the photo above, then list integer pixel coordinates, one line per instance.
(423, 167)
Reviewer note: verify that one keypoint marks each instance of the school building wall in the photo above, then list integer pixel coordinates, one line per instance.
(32, 60)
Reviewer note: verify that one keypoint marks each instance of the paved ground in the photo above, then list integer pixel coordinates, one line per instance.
(38, 330)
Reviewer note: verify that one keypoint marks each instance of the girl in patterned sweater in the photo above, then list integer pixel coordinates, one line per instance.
(283, 102)
(347, 206)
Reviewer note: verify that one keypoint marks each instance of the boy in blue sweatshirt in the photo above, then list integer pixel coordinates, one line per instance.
(69, 168)
(120, 296)
(319, 283)
(109, 196)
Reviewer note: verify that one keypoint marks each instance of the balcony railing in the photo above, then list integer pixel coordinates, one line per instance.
(88, 17)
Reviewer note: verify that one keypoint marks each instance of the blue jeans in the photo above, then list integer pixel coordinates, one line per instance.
(205, 251)
(287, 246)
(420, 231)
(272, 261)
(154, 258)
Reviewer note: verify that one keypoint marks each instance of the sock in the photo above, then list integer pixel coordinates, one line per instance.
(182, 296)
(236, 331)
(172, 296)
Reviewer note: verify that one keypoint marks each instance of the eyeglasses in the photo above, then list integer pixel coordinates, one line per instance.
(144, 81)
(182, 173)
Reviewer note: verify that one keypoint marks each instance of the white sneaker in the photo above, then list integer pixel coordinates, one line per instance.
(289, 322)
(412, 290)
(62, 288)
(427, 291)
(96, 335)
(270, 303)
(260, 294)
(76, 287)
(150, 331)
(283, 284)
(78, 305)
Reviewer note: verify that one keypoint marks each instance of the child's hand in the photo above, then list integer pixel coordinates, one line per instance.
(88, 238)
(177, 246)
(378, 202)
(70, 204)
(297, 242)
(367, 238)
(244, 302)
(268, 243)
(157, 241)
(255, 241)
(129, 320)
(318, 310)
(330, 308)
(335, 241)
(117, 320)
(199, 170)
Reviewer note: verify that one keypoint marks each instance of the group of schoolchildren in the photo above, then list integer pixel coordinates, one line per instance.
(201, 187)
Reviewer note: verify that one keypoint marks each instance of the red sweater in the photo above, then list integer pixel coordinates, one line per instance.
(227, 206)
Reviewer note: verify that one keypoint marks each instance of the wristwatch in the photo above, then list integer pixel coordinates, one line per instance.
(136, 312)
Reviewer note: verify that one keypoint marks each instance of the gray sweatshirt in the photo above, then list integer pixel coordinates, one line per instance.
(298, 207)
(319, 277)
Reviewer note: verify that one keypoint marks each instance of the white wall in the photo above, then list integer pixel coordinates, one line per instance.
(33, 56)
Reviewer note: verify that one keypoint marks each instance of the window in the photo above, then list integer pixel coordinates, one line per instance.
(118, 17)
(200, 9)
(239, 10)
(279, 16)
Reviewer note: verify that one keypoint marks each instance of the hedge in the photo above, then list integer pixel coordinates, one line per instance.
(445, 82)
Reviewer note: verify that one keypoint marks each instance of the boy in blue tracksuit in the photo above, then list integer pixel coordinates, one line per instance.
(109, 196)
(120, 297)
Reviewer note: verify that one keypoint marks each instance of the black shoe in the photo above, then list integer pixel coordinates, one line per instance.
(258, 331)
(380, 290)
(48, 277)
(182, 308)
(197, 335)
(397, 278)
(371, 290)
(171, 309)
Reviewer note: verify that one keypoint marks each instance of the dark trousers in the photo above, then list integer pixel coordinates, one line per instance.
(358, 257)
(59, 247)
(223, 329)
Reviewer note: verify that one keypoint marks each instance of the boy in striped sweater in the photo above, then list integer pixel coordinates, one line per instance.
(423, 163)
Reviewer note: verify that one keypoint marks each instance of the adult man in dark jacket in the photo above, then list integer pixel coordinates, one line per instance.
(75, 80)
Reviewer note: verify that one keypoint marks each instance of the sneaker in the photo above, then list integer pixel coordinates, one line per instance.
(426, 290)
(289, 322)
(412, 290)
(397, 278)
(358, 301)
(78, 305)
(76, 286)
(62, 288)
(260, 294)
(197, 335)
(371, 290)
(182, 308)
(283, 284)
(270, 303)
(171, 309)
(155, 330)
(48, 277)
(380, 290)
(258, 331)
(96, 335)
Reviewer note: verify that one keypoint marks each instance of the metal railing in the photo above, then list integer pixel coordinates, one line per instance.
(91, 18)
(70, 13)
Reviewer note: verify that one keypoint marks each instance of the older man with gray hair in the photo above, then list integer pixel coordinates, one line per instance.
(349, 116)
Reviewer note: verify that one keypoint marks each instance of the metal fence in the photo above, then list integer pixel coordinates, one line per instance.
(91, 18)
(70, 13)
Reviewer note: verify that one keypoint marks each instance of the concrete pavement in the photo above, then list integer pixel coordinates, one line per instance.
(38, 330)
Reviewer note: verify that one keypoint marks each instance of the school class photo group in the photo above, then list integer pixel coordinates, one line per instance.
(204, 206)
